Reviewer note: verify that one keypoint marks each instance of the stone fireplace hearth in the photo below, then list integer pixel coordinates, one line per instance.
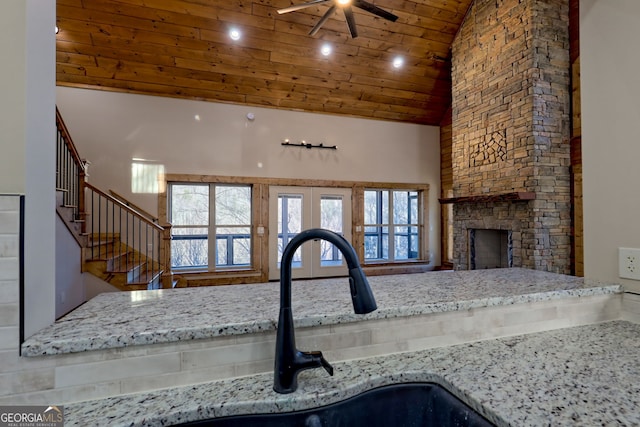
(510, 134)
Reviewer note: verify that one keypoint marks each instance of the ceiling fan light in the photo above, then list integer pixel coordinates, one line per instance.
(344, 2)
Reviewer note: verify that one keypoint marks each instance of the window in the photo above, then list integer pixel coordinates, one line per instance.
(391, 223)
(146, 178)
(210, 219)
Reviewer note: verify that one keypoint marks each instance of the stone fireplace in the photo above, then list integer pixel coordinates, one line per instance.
(510, 153)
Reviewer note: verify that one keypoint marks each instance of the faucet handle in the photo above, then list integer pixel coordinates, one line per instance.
(318, 358)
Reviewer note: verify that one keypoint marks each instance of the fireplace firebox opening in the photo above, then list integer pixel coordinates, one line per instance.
(490, 249)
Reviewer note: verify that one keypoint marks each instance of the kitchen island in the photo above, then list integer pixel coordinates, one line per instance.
(586, 376)
(152, 358)
(125, 319)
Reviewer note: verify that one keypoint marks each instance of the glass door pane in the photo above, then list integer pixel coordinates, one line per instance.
(331, 218)
(331, 211)
(289, 214)
(294, 209)
(289, 224)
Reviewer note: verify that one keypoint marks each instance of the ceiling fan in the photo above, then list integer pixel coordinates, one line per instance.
(345, 5)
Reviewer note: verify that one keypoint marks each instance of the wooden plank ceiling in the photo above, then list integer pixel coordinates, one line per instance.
(182, 48)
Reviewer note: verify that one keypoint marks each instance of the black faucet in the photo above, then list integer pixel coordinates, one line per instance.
(289, 360)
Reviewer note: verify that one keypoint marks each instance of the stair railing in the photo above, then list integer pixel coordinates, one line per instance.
(70, 171)
(128, 237)
(134, 206)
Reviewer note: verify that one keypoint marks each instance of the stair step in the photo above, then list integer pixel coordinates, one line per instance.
(108, 253)
(130, 267)
(146, 276)
(95, 240)
(95, 243)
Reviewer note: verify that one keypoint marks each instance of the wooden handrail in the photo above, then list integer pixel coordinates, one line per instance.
(68, 141)
(124, 206)
(133, 205)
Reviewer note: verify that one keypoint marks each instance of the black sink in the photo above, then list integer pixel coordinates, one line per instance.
(398, 405)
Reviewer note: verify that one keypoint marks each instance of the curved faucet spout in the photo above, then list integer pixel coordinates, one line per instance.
(289, 360)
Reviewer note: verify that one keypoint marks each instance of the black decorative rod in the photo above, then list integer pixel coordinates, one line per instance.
(308, 145)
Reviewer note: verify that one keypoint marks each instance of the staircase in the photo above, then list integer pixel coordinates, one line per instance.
(120, 245)
(107, 258)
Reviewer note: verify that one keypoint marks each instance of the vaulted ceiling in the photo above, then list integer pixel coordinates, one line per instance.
(182, 48)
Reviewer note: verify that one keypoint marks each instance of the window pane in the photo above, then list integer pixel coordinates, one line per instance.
(371, 207)
(241, 252)
(376, 243)
(371, 246)
(221, 251)
(401, 242)
(406, 242)
(233, 246)
(413, 207)
(414, 246)
(147, 178)
(400, 207)
(384, 218)
(233, 205)
(189, 247)
(189, 204)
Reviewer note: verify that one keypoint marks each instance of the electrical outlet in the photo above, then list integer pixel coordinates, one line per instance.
(629, 263)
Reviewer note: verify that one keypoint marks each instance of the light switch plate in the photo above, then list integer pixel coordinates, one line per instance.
(629, 263)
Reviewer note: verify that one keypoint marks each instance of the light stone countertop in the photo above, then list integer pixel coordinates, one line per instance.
(581, 376)
(125, 319)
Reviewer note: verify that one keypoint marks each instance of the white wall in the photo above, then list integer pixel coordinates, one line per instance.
(110, 129)
(70, 289)
(610, 89)
(27, 156)
(12, 103)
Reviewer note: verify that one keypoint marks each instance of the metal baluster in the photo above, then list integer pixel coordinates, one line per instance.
(139, 242)
(146, 251)
(120, 234)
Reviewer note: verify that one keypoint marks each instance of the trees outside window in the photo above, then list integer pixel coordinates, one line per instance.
(391, 222)
(210, 219)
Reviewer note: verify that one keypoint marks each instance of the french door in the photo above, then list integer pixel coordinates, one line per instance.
(295, 209)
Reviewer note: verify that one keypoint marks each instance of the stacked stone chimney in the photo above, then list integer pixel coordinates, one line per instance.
(510, 129)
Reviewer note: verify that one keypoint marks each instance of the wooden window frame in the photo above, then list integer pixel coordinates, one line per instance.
(258, 272)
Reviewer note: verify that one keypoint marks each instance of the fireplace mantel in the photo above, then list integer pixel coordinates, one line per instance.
(516, 196)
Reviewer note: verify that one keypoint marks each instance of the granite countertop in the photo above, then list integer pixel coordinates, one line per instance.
(586, 376)
(125, 319)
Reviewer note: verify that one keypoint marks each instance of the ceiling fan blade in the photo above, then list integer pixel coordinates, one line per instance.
(322, 20)
(301, 6)
(351, 21)
(372, 8)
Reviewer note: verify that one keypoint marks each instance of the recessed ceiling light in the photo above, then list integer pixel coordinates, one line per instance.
(398, 61)
(325, 49)
(234, 33)
(57, 29)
